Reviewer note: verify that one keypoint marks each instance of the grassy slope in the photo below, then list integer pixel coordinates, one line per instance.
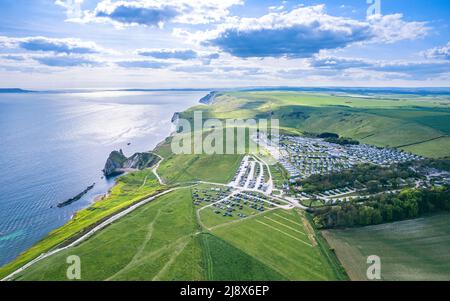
(294, 258)
(187, 168)
(165, 244)
(409, 250)
(382, 122)
(129, 189)
(162, 237)
(226, 262)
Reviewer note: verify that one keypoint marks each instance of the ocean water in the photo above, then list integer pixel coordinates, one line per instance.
(54, 145)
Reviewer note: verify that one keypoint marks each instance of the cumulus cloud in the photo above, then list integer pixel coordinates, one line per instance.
(305, 31)
(156, 13)
(66, 61)
(439, 52)
(67, 46)
(143, 64)
(392, 28)
(179, 54)
(132, 13)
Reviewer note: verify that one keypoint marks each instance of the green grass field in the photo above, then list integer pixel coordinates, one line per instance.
(280, 240)
(223, 262)
(409, 250)
(161, 241)
(396, 121)
(167, 243)
(188, 168)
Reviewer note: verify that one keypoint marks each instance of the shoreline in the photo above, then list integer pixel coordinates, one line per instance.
(66, 243)
(92, 203)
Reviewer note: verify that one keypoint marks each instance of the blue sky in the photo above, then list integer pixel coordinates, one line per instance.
(47, 44)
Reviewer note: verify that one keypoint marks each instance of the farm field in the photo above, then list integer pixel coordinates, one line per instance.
(280, 240)
(224, 261)
(409, 250)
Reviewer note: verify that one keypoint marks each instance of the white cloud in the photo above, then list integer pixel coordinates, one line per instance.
(44, 44)
(156, 13)
(438, 52)
(404, 69)
(303, 32)
(178, 54)
(73, 7)
(392, 28)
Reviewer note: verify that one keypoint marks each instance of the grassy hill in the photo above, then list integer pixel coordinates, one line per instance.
(417, 124)
(167, 243)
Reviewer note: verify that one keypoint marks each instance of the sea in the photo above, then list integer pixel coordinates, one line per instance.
(53, 145)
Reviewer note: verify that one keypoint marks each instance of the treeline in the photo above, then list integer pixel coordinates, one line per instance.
(374, 177)
(441, 164)
(342, 141)
(335, 138)
(409, 204)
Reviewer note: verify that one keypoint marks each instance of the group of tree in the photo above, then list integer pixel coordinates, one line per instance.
(374, 177)
(408, 204)
(440, 164)
(342, 141)
(335, 138)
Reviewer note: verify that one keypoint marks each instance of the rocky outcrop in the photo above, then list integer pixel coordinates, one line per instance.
(114, 163)
(76, 198)
(209, 99)
(175, 117)
(118, 163)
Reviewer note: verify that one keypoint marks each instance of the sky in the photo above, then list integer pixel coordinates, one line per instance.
(70, 44)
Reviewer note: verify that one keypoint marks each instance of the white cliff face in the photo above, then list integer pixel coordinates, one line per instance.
(133, 161)
(117, 162)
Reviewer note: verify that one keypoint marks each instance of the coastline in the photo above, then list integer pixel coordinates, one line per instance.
(66, 235)
(30, 254)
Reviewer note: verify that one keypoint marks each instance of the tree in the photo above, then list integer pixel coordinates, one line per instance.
(373, 186)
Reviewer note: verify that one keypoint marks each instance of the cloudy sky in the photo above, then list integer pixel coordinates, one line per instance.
(47, 44)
